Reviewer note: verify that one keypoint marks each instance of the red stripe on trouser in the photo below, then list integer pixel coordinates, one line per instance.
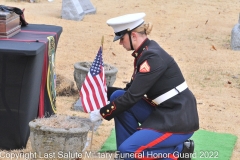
(149, 158)
(172, 157)
(151, 144)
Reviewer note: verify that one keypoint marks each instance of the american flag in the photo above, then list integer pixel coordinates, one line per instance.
(93, 92)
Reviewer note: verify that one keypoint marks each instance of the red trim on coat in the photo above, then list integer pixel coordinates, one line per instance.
(149, 101)
(141, 44)
(111, 111)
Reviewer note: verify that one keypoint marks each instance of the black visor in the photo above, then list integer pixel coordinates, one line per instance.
(119, 35)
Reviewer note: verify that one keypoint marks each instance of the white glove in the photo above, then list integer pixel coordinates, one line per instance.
(95, 116)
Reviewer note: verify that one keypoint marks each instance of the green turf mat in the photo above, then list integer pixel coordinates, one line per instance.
(110, 143)
(213, 145)
(208, 145)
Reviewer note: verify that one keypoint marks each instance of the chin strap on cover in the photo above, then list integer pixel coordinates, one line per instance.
(130, 39)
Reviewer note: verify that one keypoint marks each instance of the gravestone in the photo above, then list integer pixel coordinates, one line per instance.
(72, 10)
(235, 36)
(87, 7)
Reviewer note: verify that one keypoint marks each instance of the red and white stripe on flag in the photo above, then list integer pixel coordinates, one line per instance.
(93, 92)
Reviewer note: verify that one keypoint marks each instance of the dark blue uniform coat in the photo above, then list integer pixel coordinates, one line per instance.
(155, 73)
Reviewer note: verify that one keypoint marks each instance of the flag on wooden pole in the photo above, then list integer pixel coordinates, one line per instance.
(93, 92)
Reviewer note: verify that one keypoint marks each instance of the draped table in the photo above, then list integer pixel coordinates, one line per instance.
(27, 81)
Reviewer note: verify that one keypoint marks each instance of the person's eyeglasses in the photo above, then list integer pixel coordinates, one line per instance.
(121, 39)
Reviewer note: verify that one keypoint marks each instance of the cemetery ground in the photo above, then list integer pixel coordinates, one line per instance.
(196, 33)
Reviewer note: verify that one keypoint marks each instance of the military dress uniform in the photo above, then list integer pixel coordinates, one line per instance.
(156, 111)
(178, 113)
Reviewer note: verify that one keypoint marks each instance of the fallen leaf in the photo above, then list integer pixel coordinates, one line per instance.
(125, 81)
(207, 78)
(113, 54)
(213, 47)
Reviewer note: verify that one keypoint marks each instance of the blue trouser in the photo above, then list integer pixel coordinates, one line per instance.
(145, 142)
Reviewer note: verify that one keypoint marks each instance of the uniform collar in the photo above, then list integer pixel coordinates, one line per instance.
(141, 48)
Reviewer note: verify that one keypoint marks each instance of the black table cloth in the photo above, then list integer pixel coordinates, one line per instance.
(26, 81)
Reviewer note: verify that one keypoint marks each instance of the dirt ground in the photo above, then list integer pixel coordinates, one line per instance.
(197, 33)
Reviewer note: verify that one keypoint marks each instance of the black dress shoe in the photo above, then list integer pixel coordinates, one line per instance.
(187, 152)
